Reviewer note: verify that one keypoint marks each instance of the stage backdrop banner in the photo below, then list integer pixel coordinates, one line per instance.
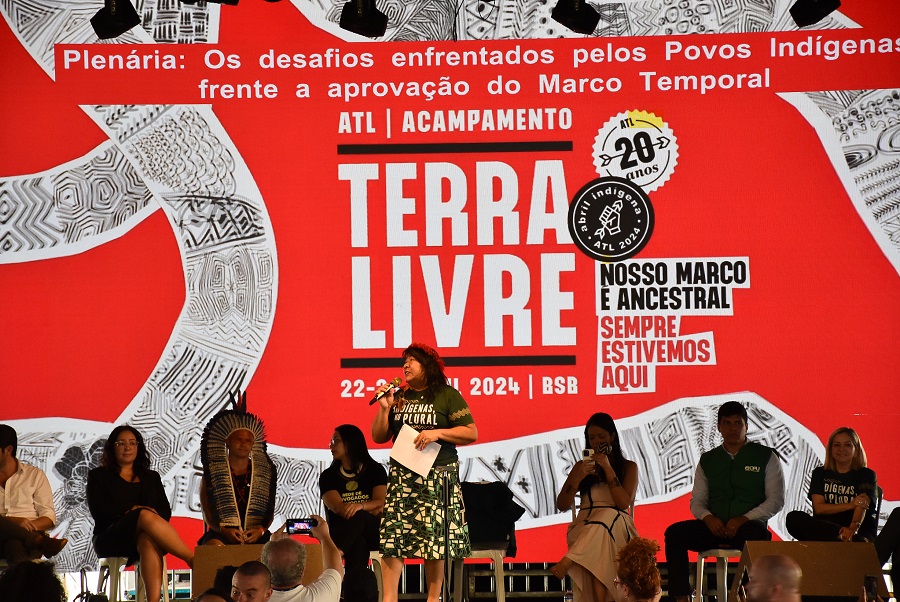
(697, 203)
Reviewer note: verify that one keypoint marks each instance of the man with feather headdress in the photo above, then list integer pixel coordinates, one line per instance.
(237, 493)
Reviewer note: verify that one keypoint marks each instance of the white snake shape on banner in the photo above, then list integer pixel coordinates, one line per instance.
(180, 159)
(860, 131)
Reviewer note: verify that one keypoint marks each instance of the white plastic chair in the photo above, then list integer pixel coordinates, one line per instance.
(720, 556)
(111, 568)
(496, 557)
(375, 557)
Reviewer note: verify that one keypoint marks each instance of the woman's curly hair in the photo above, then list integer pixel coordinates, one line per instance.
(637, 567)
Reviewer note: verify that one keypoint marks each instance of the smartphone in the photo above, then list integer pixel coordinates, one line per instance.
(871, 586)
(588, 456)
(300, 526)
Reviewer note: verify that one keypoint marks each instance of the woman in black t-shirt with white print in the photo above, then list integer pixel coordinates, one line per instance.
(353, 490)
(843, 495)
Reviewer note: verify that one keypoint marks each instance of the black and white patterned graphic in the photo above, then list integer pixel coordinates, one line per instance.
(43, 22)
(424, 20)
(860, 131)
(666, 442)
(40, 24)
(178, 159)
(93, 199)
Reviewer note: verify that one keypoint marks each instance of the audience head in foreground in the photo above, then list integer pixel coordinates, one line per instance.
(252, 582)
(213, 595)
(32, 581)
(637, 576)
(286, 561)
(774, 578)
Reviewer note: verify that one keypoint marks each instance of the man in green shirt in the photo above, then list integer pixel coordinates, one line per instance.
(738, 486)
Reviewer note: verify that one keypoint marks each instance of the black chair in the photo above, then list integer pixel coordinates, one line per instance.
(491, 514)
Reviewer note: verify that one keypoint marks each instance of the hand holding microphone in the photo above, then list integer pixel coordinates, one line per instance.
(393, 385)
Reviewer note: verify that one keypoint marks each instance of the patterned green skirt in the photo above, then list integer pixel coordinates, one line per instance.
(414, 515)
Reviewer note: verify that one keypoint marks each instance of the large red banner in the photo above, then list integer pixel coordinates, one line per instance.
(646, 221)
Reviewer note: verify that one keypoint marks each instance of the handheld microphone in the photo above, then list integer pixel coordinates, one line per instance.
(394, 384)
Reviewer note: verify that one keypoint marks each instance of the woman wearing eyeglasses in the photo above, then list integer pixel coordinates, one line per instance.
(131, 510)
(353, 490)
(637, 577)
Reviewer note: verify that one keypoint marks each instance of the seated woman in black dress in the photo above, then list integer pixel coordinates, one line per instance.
(842, 494)
(131, 510)
(237, 493)
(353, 490)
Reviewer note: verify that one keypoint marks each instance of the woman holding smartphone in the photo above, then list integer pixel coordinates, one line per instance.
(607, 483)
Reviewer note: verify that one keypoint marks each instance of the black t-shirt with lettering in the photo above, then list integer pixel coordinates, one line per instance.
(841, 488)
(448, 409)
(353, 489)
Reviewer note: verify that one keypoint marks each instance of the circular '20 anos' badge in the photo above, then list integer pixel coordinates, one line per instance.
(611, 219)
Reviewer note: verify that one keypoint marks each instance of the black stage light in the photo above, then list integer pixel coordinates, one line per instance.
(808, 12)
(364, 18)
(115, 18)
(577, 15)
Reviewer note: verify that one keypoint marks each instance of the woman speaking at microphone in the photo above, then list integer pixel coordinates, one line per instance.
(414, 516)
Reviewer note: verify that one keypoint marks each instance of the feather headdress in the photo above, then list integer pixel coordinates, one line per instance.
(217, 471)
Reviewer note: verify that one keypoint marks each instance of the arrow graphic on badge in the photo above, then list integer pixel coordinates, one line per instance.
(661, 141)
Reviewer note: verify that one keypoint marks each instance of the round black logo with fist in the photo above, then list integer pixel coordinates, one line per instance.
(611, 219)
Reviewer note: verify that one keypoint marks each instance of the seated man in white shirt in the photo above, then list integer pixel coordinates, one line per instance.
(26, 506)
(286, 560)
